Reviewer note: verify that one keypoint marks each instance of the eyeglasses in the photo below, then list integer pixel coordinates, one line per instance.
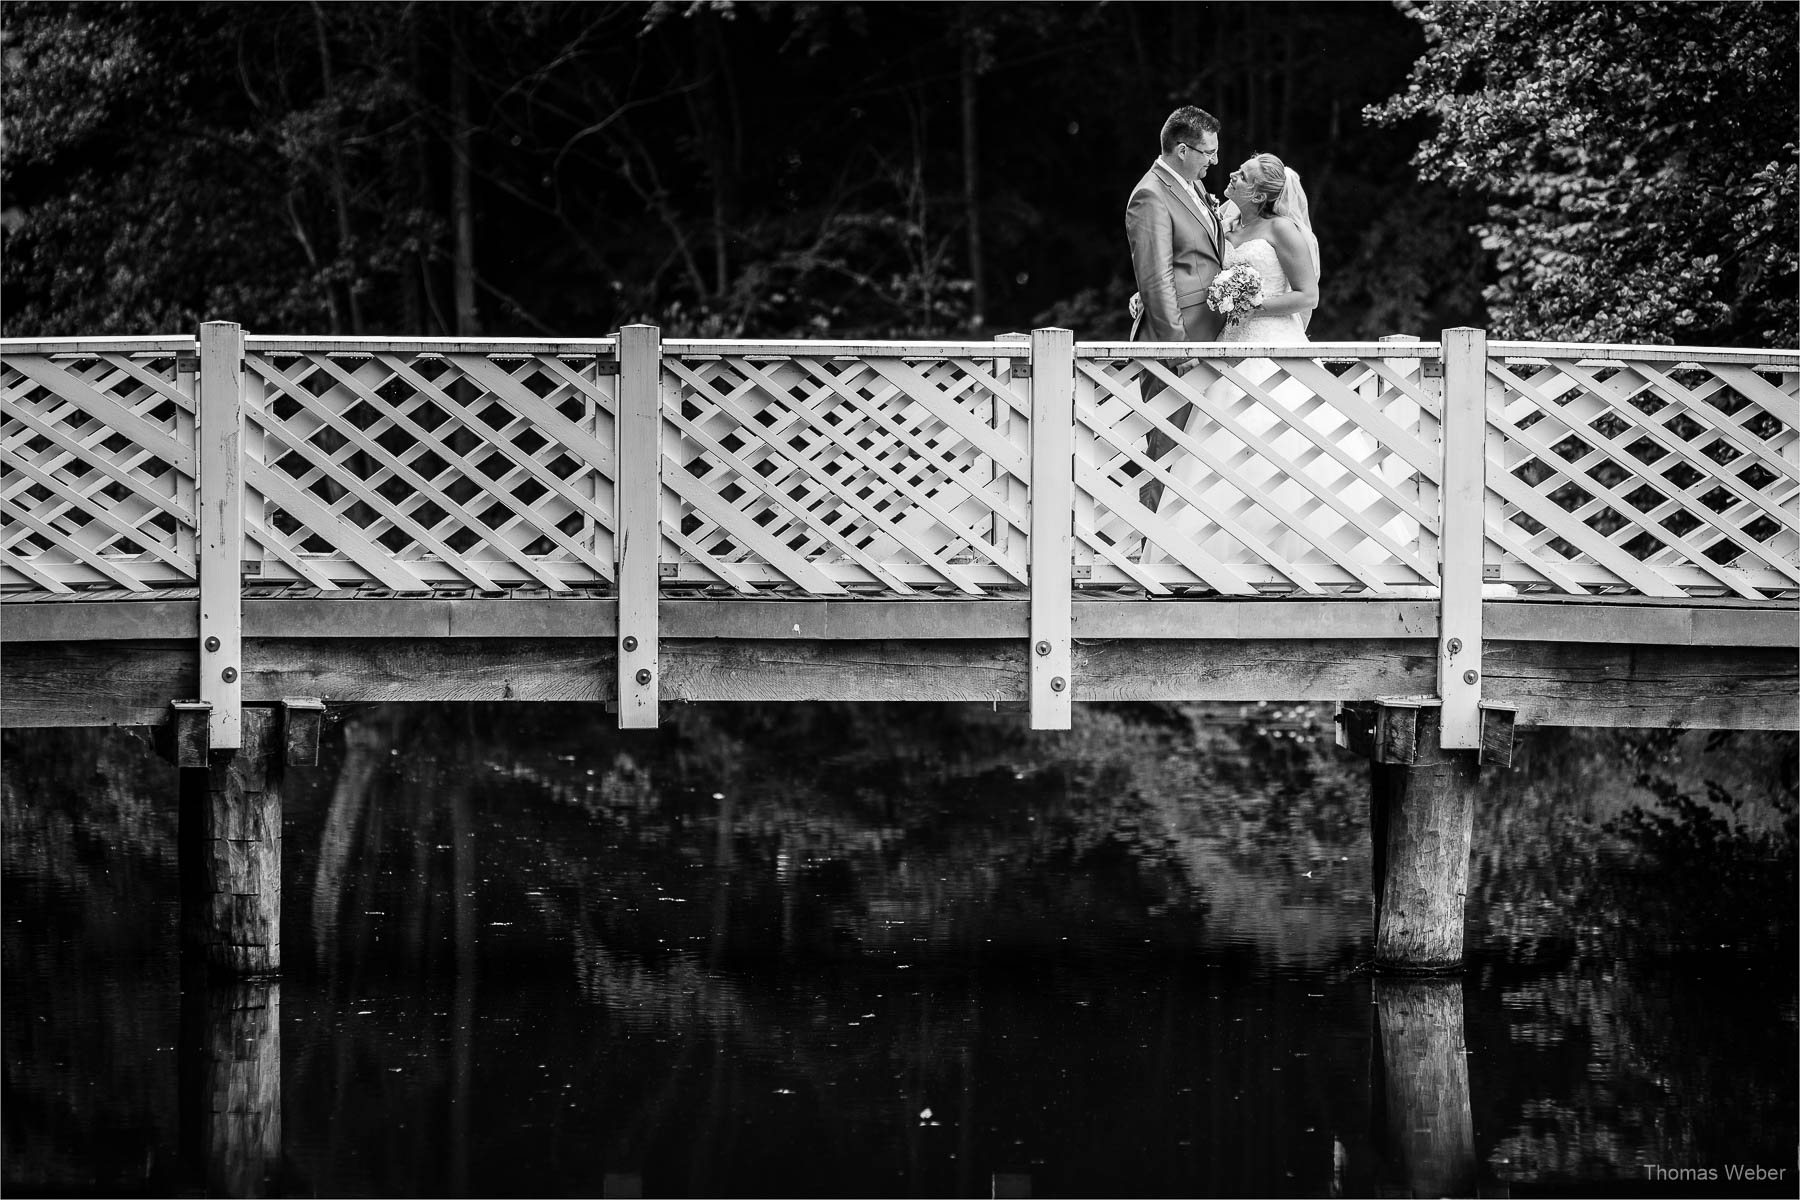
(1202, 151)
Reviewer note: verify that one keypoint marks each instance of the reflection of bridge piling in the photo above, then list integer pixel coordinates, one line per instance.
(230, 1084)
(1425, 1125)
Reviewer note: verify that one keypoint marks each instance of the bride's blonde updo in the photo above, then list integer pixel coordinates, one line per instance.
(1267, 177)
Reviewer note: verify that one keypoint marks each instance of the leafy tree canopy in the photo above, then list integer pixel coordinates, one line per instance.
(1638, 159)
(717, 168)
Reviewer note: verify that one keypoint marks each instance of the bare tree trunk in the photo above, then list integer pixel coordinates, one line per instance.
(415, 277)
(1290, 77)
(1183, 36)
(717, 117)
(1250, 72)
(971, 186)
(339, 196)
(462, 200)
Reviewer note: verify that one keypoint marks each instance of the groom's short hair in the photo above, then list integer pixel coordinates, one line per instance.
(1186, 124)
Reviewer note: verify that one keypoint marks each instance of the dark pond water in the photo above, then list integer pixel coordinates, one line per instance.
(881, 950)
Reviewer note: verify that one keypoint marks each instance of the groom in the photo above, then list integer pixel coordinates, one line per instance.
(1177, 246)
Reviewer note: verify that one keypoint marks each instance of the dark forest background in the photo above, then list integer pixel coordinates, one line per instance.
(1611, 171)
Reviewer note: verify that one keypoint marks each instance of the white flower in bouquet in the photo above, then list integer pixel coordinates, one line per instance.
(1235, 293)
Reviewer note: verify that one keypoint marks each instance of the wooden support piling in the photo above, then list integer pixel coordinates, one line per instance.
(230, 850)
(1421, 819)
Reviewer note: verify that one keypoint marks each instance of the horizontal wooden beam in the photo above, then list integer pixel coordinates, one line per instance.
(501, 347)
(1347, 350)
(156, 345)
(583, 615)
(1693, 623)
(809, 348)
(1183, 619)
(1788, 359)
(132, 683)
(1627, 685)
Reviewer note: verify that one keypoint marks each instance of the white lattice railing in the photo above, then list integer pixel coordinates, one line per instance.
(895, 468)
(1646, 470)
(97, 463)
(415, 466)
(829, 469)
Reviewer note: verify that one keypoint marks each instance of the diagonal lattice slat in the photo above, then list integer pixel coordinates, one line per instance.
(825, 474)
(1665, 479)
(1292, 474)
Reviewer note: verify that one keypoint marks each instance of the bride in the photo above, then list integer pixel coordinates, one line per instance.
(1273, 235)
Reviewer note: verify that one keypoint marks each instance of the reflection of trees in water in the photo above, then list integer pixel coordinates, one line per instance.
(1630, 842)
(89, 832)
(888, 822)
(712, 883)
(1629, 889)
(844, 833)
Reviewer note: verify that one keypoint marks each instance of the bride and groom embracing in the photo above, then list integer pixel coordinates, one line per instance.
(1182, 240)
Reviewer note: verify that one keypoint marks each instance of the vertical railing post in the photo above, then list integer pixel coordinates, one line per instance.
(1009, 543)
(1460, 547)
(1052, 527)
(639, 522)
(220, 505)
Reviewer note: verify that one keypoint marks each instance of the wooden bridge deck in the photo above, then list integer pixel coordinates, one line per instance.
(1586, 535)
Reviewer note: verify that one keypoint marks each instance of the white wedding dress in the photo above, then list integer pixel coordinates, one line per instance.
(1257, 508)
(1259, 254)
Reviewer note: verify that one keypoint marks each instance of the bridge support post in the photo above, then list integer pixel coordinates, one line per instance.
(1421, 820)
(230, 849)
(229, 840)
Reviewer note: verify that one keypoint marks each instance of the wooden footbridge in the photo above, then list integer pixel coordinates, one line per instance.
(221, 533)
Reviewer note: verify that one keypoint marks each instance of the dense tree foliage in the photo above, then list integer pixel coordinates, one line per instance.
(1638, 159)
(721, 168)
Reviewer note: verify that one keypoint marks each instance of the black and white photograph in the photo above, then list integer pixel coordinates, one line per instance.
(884, 598)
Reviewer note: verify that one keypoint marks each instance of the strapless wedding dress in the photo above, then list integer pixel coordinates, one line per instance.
(1260, 256)
(1262, 505)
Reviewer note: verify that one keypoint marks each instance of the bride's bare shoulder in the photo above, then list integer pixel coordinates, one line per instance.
(1285, 227)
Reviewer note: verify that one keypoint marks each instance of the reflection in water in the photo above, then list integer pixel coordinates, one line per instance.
(1429, 1133)
(230, 1085)
(904, 950)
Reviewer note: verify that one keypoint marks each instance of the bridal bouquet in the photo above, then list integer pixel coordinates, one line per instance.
(1235, 293)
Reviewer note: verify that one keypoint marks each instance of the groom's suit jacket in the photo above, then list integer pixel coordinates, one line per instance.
(1176, 249)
